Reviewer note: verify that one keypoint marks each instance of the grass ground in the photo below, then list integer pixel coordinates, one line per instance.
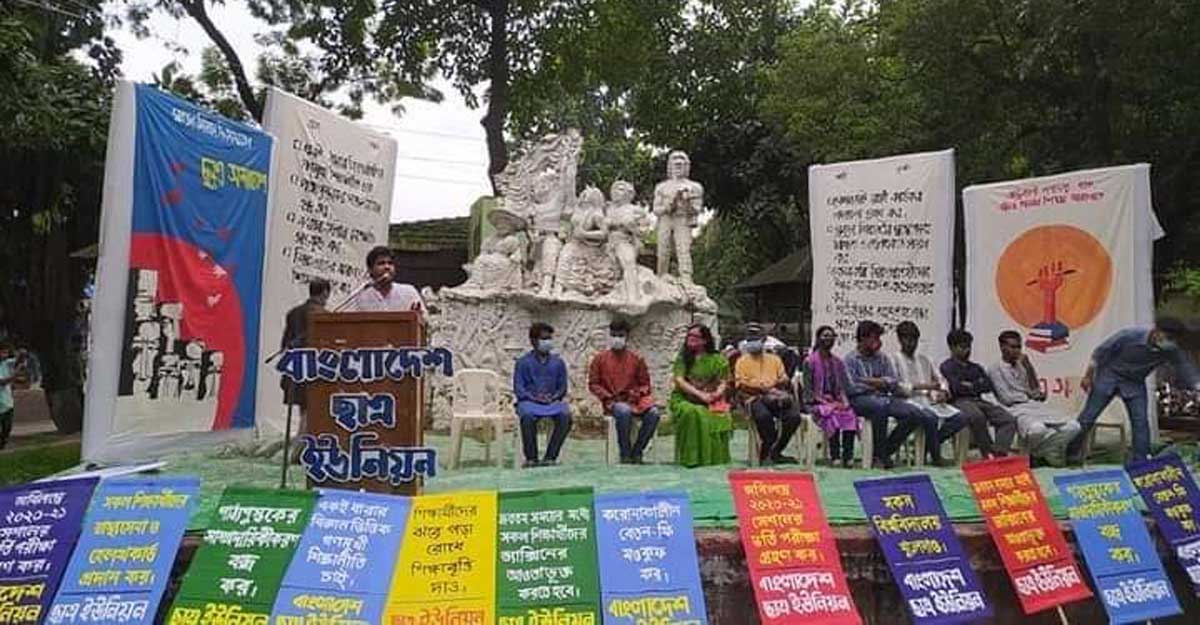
(30, 462)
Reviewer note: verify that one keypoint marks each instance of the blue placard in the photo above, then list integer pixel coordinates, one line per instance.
(1118, 551)
(936, 580)
(342, 569)
(1170, 493)
(649, 572)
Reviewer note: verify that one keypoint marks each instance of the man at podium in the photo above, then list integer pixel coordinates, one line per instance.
(381, 294)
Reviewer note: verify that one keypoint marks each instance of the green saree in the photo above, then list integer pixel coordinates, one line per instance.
(701, 435)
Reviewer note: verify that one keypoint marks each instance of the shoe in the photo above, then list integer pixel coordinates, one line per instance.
(782, 459)
(627, 461)
(766, 462)
(531, 464)
(637, 460)
(887, 464)
(846, 464)
(938, 461)
(549, 463)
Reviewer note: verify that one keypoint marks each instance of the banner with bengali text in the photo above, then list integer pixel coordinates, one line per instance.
(1171, 495)
(122, 564)
(795, 567)
(1116, 546)
(927, 561)
(39, 526)
(447, 567)
(1031, 545)
(883, 246)
(649, 571)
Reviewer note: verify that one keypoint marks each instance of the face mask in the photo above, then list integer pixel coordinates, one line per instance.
(754, 347)
(1167, 344)
(545, 345)
(694, 345)
(616, 342)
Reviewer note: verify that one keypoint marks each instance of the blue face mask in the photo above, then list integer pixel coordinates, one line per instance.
(545, 346)
(754, 347)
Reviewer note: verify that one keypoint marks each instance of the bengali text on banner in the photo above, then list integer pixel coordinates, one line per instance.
(1170, 493)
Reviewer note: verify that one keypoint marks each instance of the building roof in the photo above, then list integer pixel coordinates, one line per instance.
(791, 269)
(430, 235)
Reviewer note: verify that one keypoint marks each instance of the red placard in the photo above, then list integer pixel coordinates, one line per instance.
(794, 564)
(1035, 553)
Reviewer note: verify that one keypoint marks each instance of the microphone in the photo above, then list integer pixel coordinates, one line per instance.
(366, 285)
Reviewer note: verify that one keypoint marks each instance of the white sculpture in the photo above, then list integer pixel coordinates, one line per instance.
(678, 201)
(502, 256)
(584, 265)
(627, 223)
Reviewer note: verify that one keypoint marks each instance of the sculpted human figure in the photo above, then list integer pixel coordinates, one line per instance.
(677, 203)
(501, 260)
(584, 266)
(627, 222)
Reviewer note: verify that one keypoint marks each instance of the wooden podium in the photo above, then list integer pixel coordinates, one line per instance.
(343, 331)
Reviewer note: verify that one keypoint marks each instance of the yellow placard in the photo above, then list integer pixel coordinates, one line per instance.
(447, 569)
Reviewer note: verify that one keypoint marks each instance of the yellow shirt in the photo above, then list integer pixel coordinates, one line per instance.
(762, 372)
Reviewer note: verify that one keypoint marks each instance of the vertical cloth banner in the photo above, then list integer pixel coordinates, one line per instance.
(1066, 261)
(883, 246)
(179, 278)
(795, 567)
(1116, 546)
(122, 563)
(1170, 493)
(922, 551)
(39, 526)
(238, 570)
(331, 200)
(343, 566)
(1034, 551)
(649, 572)
(447, 567)
(546, 570)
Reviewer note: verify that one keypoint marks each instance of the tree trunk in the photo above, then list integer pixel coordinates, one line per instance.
(497, 111)
(195, 8)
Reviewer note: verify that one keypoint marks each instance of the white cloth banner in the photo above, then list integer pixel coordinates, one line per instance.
(1066, 261)
(883, 245)
(332, 200)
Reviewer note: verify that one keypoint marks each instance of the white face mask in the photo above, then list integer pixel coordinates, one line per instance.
(545, 346)
(754, 347)
(616, 342)
(1166, 344)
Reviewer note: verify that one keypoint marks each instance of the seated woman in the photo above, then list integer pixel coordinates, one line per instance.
(698, 405)
(825, 383)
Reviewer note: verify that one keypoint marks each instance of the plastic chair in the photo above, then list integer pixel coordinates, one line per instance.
(612, 449)
(476, 400)
(1090, 438)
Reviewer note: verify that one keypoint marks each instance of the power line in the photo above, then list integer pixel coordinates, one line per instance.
(429, 133)
(442, 180)
(431, 159)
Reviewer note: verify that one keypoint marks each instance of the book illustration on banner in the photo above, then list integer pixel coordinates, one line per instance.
(122, 564)
(1052, 279)
(923, 552)
(1171, 495)
(1120, 555)
(41, 523)
(795, 568)
(649, 571)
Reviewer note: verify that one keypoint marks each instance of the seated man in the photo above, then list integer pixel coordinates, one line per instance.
(920, 382)
(968, 382)
(1047, 431)
(620, 379)
(539, 386)
(766, 392)
(875, 395)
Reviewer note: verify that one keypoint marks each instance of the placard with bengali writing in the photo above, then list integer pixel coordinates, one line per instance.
(1118, 550)
(344, 564)
(122, 563)
(447, 569)
(795, 567)
(237, 572)
(39, 524)
(1041, 566)
(1170, 493)
(919, 544)
(649, 572)
(546, 572)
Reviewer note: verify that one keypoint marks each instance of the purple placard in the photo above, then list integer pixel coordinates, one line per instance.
(937, 583)
(1171, 494)
(39, 525)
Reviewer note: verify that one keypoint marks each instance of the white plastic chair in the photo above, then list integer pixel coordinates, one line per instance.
(476, 400)
(612, 449)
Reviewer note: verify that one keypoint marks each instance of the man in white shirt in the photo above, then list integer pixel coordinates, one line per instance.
(1015, 384)
(384, 295)
(920, 383)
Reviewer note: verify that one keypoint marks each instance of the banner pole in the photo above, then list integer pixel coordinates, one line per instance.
(1062, 616)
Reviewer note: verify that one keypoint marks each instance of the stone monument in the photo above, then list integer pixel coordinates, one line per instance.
(571, 260)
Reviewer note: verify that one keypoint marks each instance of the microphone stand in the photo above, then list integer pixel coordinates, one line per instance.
(356, 293)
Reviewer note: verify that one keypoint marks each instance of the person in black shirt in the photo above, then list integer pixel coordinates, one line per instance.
(968, 382)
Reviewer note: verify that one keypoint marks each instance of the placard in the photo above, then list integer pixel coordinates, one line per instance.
(546, 565)
(922, 550)
(122, 563)
(649, 572)
(1120, 556)
(1035, 552)
(1170, 493)
(346, 558)
(38, 530)
(795, 567)
(447, 568)
(240, 567)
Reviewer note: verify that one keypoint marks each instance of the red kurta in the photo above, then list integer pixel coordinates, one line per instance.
(621, 376)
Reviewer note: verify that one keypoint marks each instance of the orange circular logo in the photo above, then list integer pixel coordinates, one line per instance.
(1054, 276)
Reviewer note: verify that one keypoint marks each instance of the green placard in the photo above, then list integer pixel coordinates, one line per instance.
(546, 571)
(246, 551)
